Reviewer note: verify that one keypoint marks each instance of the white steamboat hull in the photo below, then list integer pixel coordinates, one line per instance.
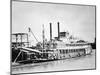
(70, 52)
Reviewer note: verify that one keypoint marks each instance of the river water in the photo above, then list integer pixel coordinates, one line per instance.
(78, 63)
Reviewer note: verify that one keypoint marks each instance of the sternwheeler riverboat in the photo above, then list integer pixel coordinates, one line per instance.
(61, 47)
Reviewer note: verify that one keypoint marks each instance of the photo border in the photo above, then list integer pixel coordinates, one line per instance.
(58, 4)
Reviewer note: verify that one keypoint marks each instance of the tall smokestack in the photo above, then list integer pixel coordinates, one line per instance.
(51, 31)
(58, 31)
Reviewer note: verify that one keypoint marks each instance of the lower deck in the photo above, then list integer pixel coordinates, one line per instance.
(50, 55)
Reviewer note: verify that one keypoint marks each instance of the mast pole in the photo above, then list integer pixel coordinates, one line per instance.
(50, 31)
(58, 31)
(43, 36)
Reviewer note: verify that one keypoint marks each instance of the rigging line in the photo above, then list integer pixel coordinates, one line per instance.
(33, 34)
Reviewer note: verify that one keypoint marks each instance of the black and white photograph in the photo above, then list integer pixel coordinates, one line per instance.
(52, 37)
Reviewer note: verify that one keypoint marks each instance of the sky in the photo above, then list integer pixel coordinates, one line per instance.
(78, 20)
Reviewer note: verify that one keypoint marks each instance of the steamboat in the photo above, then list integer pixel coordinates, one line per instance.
(61, 47)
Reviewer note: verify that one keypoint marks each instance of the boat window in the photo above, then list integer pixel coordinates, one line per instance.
(60, 51)
(66, 51)
(69, 50)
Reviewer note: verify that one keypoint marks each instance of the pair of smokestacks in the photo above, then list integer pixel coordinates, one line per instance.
(51, 31)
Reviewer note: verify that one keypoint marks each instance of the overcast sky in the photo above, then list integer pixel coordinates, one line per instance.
(78, 20)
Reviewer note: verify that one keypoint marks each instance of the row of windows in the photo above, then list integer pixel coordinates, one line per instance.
(75, 44)
(70, 50)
